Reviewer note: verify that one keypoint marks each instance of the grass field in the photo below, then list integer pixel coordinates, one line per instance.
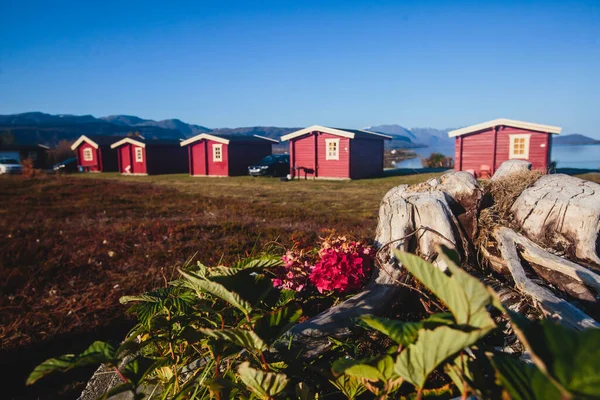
(72, 246)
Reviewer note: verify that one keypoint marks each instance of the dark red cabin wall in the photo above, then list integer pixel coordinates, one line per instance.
(539, 147)
(303, 155)
(217, 168)
(127, 156)
(366, 158)
(244, 154)
(92, 165)
(333, 168)
(478, 149)
(124, 158)
(166, 159)
(198, 161)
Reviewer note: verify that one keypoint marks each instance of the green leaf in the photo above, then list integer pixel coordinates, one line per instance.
(570, 357)
(403, 333)
(97, 353)
(259, 263)
(465, 296)
(241, 337)
(524, 381)
(248, 285)
(203, 285)
(350, 386)
(373, 369)
(264, 384)
(432, 347)
(272, 325)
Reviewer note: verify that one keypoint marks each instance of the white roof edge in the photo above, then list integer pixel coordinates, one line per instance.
(376, 134)
(127, 140)
(266, 138)
(43, 146)
(203, 136)
(507, 122)
(332, 131)
(82, 139)
(319, 128)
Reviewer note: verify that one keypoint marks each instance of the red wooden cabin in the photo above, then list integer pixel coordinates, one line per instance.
(334, 153)
(225, 155)
(150, 157)
(94, 153)
(481, 148)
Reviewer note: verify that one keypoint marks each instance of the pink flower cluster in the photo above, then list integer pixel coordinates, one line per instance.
(341, 266)
(294, 273)
(344, 266)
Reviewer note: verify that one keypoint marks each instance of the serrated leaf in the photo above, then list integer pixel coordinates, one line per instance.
(524, 381)
(258, 263)
(241, 337)
(203, 285)
(350, 386)
(272, 325)
(432, 347)
(97, 353)
(465, 296)
(373, 369)
(403, 333)
(264, 384)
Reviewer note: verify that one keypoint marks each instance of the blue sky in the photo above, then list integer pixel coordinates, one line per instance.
(342, 63)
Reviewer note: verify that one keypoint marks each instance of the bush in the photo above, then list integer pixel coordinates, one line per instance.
(437, 160)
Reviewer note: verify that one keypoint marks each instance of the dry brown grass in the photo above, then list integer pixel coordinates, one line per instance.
(500, 195)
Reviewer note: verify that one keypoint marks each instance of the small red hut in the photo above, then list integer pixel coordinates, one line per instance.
(94, 153)
(225, 155)
(481, 148)
(334, 153)
(138, 156)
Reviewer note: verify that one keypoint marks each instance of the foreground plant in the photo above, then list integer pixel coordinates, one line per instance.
(211, 335)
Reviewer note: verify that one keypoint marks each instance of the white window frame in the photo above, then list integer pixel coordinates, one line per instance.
(88, 155)
(217, 156)
(525, 155)
(139, 154)
(335, 155)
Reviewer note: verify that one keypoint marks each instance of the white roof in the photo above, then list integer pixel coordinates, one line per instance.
(127, 140)
(82, 139)
(505, 122)
(217, 139)
(351, 133)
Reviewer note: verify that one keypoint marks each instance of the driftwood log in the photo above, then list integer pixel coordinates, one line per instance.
(548, 256)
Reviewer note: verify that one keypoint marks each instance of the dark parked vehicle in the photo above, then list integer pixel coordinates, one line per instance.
(273, 165)
(66, 166)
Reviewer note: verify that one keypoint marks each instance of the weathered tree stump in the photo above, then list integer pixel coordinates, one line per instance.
(445, 211)
(511, 167)
(562, 212)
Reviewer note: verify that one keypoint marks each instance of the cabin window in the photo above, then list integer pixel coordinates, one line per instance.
(88, 155)
(332, 149)
(32, 155)
(139, 154)
(217, 152)
(519, 146)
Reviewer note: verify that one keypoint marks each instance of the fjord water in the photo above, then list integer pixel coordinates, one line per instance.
(585, 157)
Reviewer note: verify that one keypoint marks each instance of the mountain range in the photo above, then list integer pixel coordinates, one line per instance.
(48, 129)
